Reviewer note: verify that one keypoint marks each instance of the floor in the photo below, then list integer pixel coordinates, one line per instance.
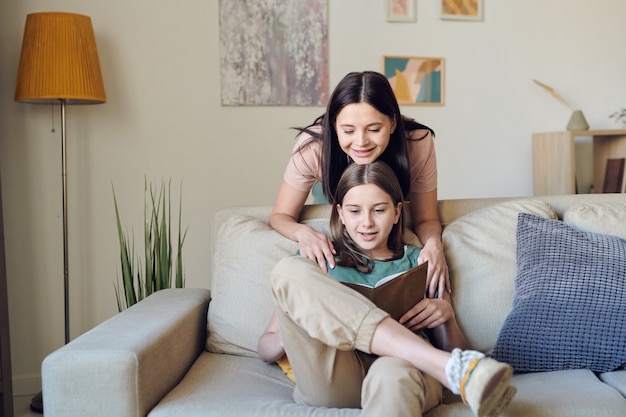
(21, 407)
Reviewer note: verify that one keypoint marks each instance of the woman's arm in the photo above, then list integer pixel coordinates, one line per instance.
(284, 219)
(427, 226)
(270, 346)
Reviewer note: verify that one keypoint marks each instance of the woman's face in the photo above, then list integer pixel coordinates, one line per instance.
(368, 214)
(363, 132)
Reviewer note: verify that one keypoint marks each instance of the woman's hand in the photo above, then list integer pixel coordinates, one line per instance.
(316, 246)
(427, 227)
(428, 314)
(438, 280)
(284, 219)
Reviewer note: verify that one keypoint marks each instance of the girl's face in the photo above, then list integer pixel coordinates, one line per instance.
(368, 214)
(363, 132)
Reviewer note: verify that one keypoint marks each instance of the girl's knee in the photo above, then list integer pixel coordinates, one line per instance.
(399, 382)
(292, 269)
(388, 370)
(285, 269)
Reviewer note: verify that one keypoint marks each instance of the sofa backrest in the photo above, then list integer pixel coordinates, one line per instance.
(479, 240)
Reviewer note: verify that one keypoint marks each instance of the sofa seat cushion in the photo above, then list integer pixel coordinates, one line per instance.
(573, 393)
(228, 385)
(616, 379)
(480, 250)
(568, 310)
(576, 392)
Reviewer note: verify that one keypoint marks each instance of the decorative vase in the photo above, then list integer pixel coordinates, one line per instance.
(577, 121)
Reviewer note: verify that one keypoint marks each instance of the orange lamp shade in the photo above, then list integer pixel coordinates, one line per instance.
(59, 60)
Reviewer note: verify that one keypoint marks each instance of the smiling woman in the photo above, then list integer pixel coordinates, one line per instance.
(363, 124)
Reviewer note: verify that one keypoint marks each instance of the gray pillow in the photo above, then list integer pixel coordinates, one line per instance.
(480, 250)
(569, 303)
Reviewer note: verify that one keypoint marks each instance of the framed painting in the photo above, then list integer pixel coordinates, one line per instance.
(462, 9)
(401, 11)
(417, 81)
(289, 70)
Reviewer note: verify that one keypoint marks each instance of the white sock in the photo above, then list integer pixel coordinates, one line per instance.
(458, 365)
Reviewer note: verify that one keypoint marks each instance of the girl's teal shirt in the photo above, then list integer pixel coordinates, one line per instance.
(382, 269)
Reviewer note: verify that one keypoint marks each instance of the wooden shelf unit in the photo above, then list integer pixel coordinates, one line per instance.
(554, 159)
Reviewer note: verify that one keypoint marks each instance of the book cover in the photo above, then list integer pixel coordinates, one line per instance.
(399, 294)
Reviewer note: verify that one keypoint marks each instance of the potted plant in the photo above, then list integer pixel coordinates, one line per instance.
(140, 279)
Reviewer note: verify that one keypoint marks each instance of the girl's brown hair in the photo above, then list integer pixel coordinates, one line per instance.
(381, 175)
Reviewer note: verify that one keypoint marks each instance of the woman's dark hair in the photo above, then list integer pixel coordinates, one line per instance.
(381, 175)
(363, 87)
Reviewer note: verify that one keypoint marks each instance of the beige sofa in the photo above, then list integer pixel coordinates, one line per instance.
(158, 359)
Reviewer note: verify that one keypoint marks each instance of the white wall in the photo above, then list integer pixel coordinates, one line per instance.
(163, 119)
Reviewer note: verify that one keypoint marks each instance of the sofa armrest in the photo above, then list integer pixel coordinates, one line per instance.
(125, 365)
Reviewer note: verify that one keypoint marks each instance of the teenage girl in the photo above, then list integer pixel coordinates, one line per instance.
(346, 352)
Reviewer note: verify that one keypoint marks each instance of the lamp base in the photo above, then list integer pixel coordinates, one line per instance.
(36, 403)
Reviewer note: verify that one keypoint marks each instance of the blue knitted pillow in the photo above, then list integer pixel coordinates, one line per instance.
(569, 308)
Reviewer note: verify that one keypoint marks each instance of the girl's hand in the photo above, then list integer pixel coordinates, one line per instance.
(428, 314)
(316, 246)
(438, 280)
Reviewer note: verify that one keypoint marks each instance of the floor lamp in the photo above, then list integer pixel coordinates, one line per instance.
(59, 64)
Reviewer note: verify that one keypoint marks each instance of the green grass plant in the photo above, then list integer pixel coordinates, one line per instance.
(156, 274)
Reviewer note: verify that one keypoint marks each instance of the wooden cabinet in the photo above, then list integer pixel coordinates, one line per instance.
(6, 390)
(555, 167)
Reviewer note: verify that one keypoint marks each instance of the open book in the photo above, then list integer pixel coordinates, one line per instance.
(396, 294)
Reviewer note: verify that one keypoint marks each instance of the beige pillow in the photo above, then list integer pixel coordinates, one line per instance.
(245, 252)
(480, 250)
(603, 218)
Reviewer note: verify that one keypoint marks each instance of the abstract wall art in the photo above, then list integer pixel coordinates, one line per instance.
(274, 52)
(401, 11)
(462, 9)
(416, 80)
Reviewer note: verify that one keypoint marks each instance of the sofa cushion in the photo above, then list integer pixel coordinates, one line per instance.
(568, 311)
(245, 251)
(608, 218)
(480, 250)
(616, 379)
(231, 386)
(571, 393)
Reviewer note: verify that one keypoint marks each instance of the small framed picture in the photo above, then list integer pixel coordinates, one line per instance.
(417, 81)
(462, 9)
(401, 11)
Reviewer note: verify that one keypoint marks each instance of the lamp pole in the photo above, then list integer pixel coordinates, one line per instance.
(66, 280)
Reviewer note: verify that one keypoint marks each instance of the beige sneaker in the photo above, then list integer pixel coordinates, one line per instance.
(484, 383)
